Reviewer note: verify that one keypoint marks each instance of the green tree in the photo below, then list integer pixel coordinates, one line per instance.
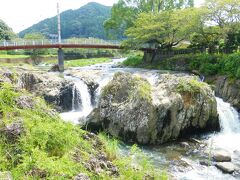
(163, 30)
(222, 25)
(6, 32)
(35, 53)
(125, 12)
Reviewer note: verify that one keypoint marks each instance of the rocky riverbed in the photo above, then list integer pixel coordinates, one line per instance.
(149, 108)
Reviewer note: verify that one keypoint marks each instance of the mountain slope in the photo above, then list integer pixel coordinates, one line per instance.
(5, 31)
(86, 21)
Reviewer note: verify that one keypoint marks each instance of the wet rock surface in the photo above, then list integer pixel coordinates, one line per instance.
(222, 156)
(130, 108)
(54, 89)
(227, 89)
(226, 167)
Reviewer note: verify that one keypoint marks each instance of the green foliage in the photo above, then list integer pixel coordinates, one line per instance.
(125, 12)
(8, 56)
(163, 30)
(81, 62)
(42, 150)
(230, 65)
(86, 21)
(225, 15)
(86, 62)
(111, 146)
(35, 53)
(133, 60)
(6, 32)
(49, 148)
(134, 165)
(191, 86)
(70, 54)
(205, 64)
(134, 87)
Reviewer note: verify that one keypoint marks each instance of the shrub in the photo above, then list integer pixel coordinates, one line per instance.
(133, 60)
(191, 86)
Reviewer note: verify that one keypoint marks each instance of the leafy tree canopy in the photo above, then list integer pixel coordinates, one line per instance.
(6, 32)
(125, 12)
(221, 25)
(165, 29)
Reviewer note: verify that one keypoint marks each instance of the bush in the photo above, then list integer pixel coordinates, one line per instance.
(206, 64)
(133, 60)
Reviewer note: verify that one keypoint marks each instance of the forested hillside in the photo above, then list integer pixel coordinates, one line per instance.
(5, 31)
(86, 21)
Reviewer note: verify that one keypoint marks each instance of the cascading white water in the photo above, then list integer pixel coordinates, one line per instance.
(81, 102)
(229, 118)
(228, 138)
(81, 97)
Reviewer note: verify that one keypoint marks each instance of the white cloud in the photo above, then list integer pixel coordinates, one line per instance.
(20, 14)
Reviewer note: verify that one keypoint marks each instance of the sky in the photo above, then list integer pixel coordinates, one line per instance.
(21, 14)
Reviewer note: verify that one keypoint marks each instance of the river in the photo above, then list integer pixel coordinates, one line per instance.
(180, 159)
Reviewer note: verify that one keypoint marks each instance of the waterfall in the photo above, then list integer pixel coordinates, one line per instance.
(81, 102)
(228, 138)
(81, 97)
(229, 118)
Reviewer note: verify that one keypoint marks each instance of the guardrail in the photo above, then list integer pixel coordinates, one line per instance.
(54, 42)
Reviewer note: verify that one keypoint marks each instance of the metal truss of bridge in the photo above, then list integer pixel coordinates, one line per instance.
(45, 44)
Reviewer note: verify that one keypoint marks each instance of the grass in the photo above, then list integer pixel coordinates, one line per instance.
(41, 150)
(135, 86)
(69, 63)
(135, 165)
(133, 61)
(190, 86)
(81, 62)
(49, 148)
(13, 65)
(8, 56)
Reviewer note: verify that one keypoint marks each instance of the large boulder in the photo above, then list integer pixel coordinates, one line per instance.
(131, 108)
(54, 89)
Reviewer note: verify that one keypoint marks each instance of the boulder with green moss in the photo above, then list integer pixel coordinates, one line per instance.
(136, 111)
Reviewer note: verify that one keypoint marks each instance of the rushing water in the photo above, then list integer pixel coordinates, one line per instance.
(180, 162)
(81, 102)
(228, 139)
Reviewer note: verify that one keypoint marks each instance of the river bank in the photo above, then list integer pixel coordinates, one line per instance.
(181, 159)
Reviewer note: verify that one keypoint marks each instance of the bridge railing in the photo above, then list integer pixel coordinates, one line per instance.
(89, 41)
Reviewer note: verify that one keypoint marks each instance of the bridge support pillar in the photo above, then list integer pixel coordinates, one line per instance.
(60, 60)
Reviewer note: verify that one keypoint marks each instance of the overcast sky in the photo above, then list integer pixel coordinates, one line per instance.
(21, 14)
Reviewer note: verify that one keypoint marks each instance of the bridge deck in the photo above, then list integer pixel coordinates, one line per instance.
(46, 46)
(41, 44)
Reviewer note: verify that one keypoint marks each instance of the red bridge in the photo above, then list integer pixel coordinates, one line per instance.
(45, 44)
(70, 43)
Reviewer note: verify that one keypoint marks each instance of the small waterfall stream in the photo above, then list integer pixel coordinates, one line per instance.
(81, 102)
(229, 137)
